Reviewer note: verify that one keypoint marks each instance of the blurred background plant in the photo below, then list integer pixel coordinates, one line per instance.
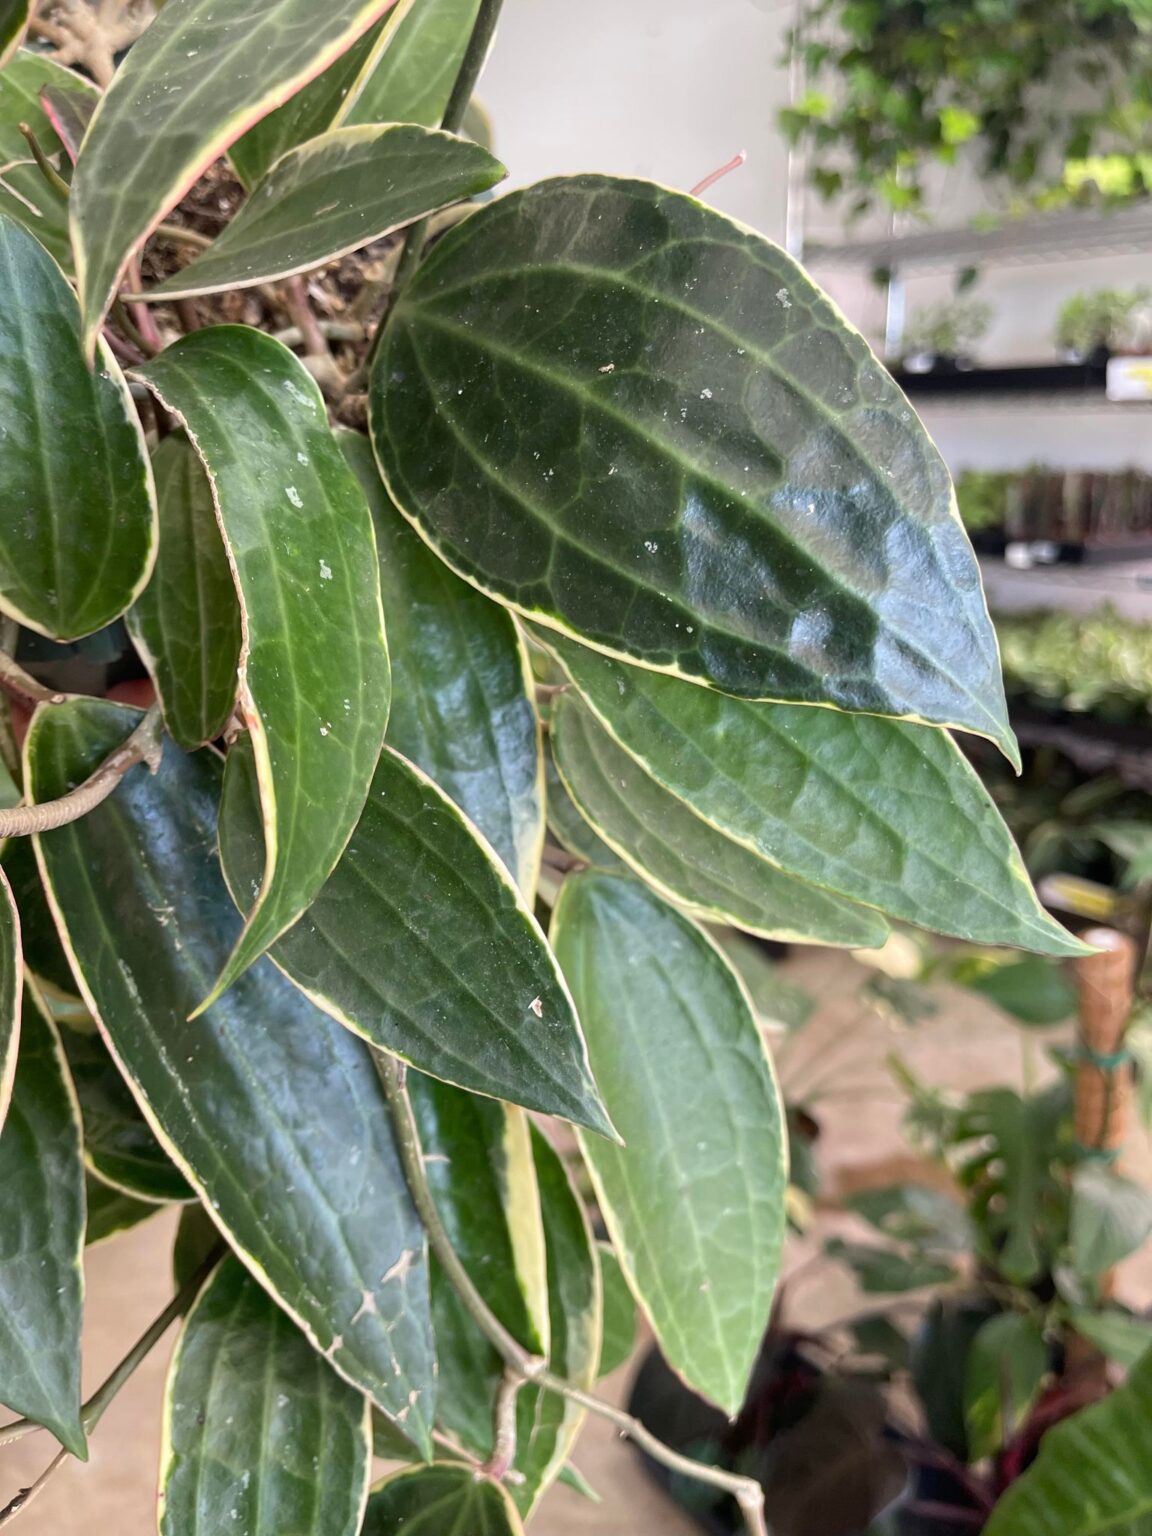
(1052, 98)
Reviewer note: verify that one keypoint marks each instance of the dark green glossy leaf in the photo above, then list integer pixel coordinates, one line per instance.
(43, 955)
(619, 1313)
(1007, 1365)
(1032, 990)
(41, 1240)
(270, 1109)
(260, 1434)
(11, 992)
(694, 1199)
(186, 622)
(332, 195)
(1120, 1336)
(1093, 1476)
(188, 89)
(24, 193)
(421, 943)
(547, 1424)
(78, 541)
(312, 110)
(686, 858)
(878, 811)
(461, 708)
(119, 1147)
(882, 1272)
(111, 1211)
(447, 1500)
(470, 1369)
(1110, 1218)
(412, 79)
(314, 679)
(626, 416)
(13, 20)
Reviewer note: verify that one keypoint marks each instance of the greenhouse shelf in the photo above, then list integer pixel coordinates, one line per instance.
(1125, 584)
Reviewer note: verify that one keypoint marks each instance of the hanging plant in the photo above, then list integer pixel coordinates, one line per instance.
(1053, 100)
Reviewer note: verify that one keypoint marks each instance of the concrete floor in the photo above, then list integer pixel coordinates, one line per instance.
(838, 1058)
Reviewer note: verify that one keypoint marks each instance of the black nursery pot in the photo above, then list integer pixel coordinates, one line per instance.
(819, 1444)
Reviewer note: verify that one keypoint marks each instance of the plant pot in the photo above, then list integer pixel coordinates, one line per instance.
(819, 1444)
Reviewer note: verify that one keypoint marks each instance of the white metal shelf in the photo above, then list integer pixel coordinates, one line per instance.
(1071, 234)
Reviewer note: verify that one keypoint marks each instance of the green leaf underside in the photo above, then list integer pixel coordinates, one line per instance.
(570, 827)
(1093, 1475)
(619, 1313)
(186, 622)
(443, 1500)
(461, 707)
(314, 677)
(241, 1095)
(260, 1434)
(119, 1146)
(313, 109)
(685, 857)
(11, 991)
(78, 536)
(332, 195)
(412, 79)
(13, 20)
(24, 193)
(694, 1200)
(111, 1211)
(471, 1370)
(421, 943)
(878, 811)
(41, 1240)
(483, 1179)
(187, 89)
(642, 424)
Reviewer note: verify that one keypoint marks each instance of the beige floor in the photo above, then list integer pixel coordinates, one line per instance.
(839, 1057)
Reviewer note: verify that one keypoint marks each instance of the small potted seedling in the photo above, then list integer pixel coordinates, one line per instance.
(943, 337)
(1092, 327)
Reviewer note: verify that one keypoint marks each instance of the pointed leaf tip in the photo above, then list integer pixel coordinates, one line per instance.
(258, 422)
(707, 472)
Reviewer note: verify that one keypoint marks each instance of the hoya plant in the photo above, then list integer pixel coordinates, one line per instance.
(512, 593)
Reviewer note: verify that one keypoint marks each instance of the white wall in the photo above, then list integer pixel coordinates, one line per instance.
(667, 89)
(670, 89)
